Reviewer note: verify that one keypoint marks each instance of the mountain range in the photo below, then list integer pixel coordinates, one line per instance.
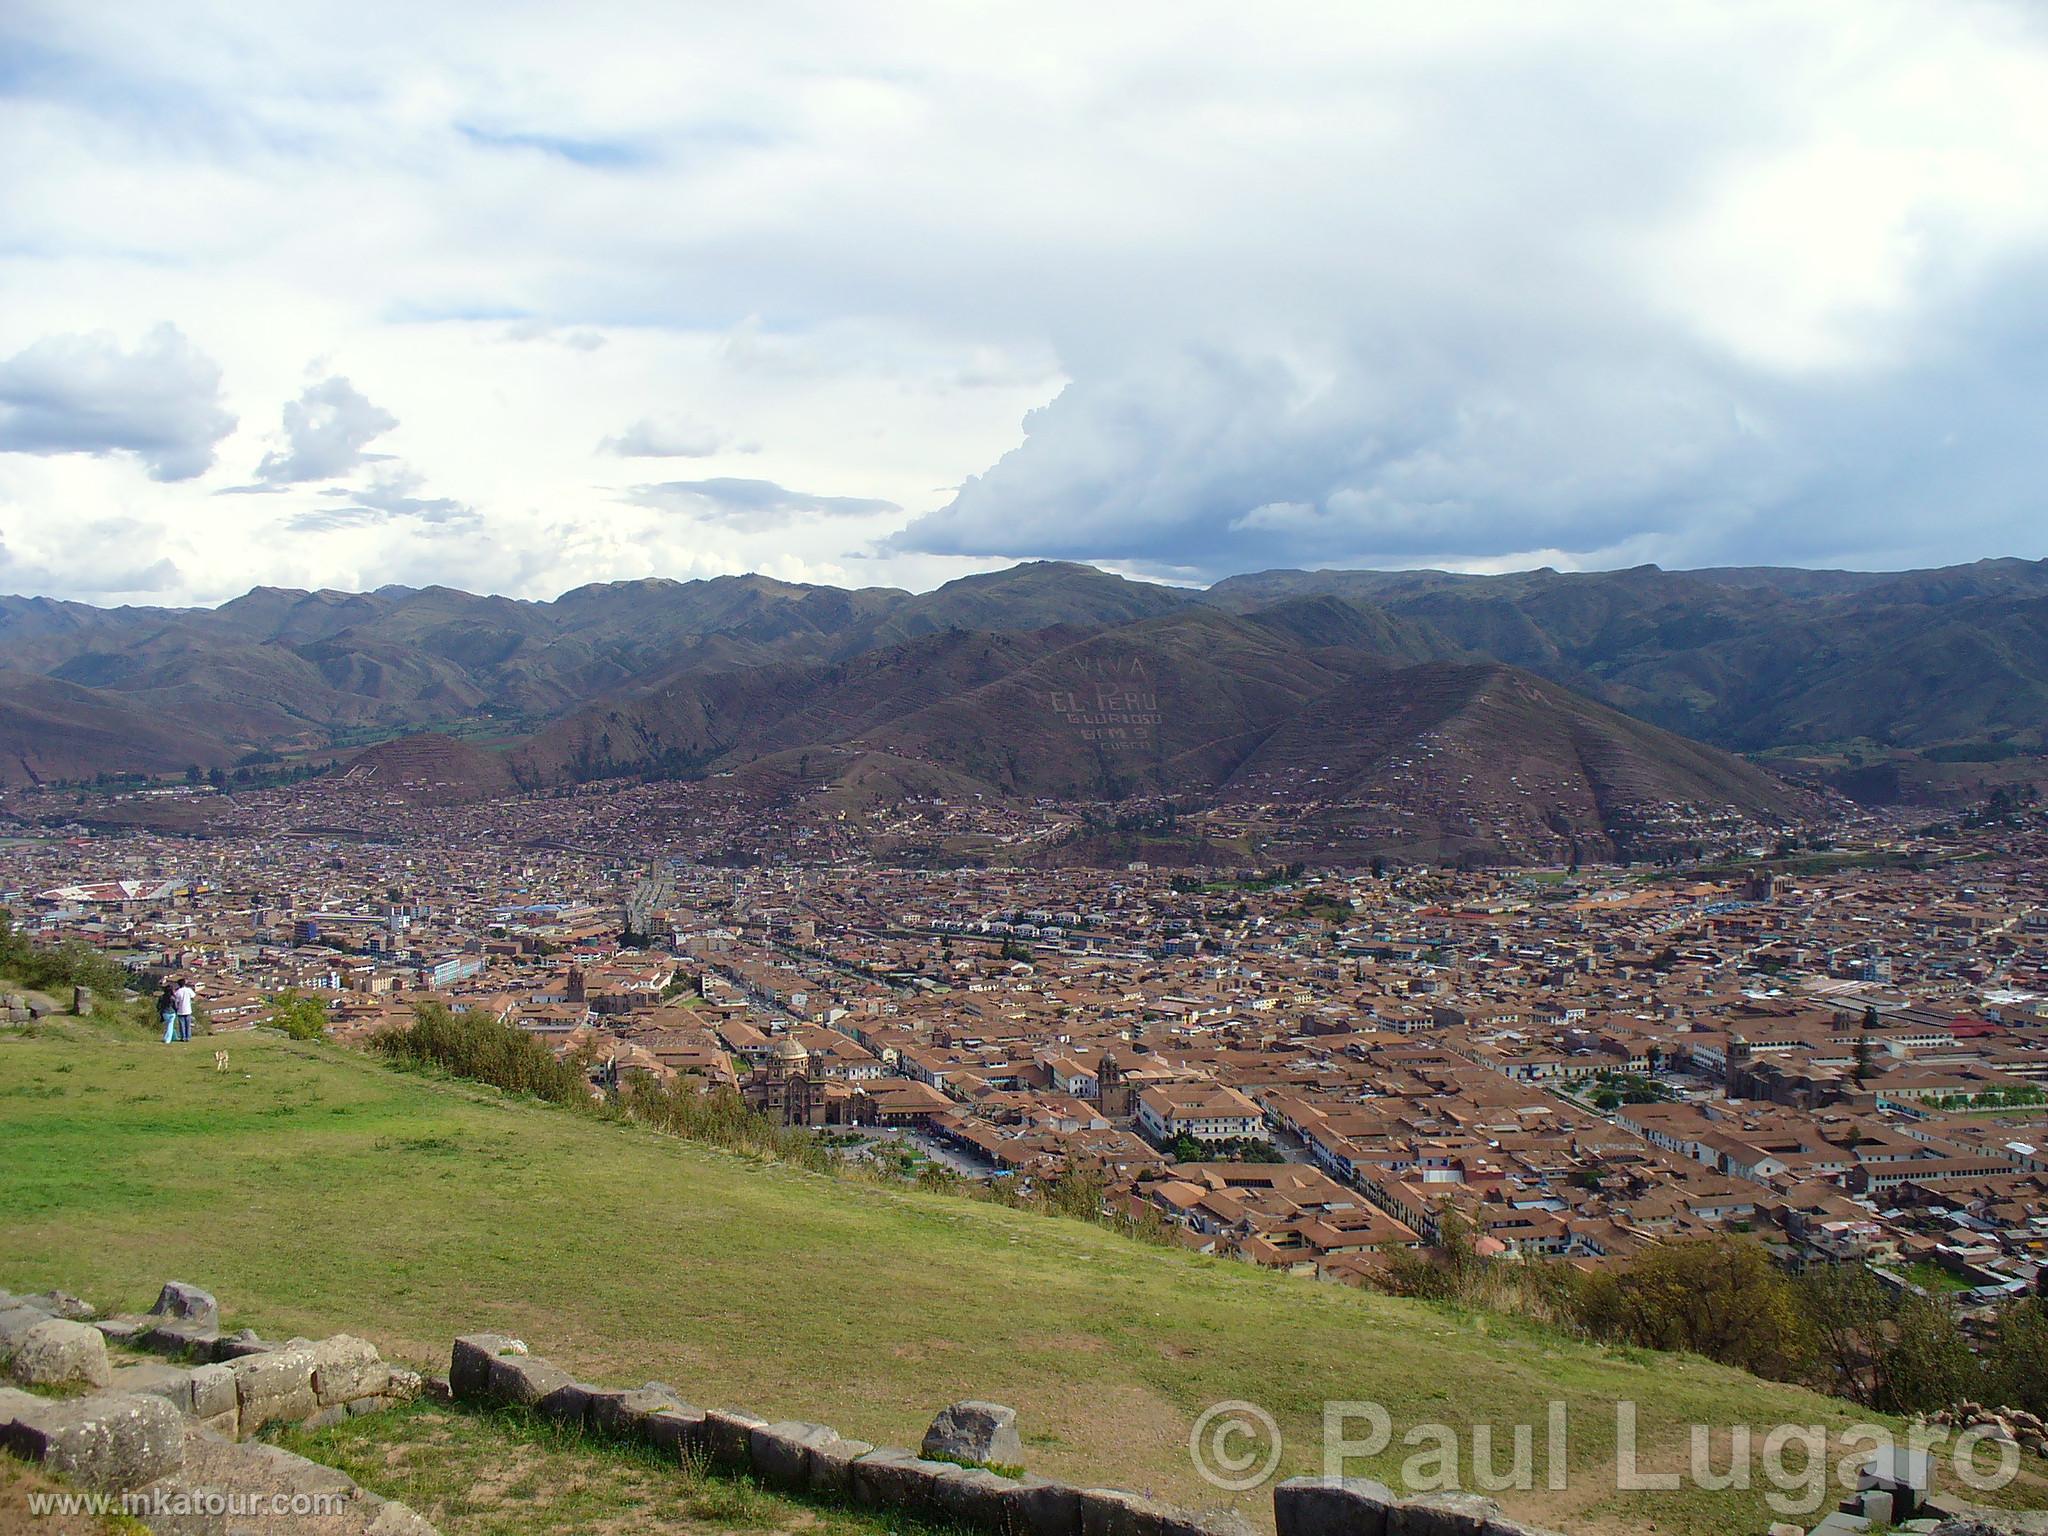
(1060, 680)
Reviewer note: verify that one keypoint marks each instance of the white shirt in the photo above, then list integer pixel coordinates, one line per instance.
(182, 999)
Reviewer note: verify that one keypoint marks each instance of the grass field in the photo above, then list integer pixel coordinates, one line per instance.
(315, 1189)
(508, 1473)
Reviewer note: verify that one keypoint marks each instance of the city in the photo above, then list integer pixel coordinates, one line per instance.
(1023, 769)
(1842, 1052)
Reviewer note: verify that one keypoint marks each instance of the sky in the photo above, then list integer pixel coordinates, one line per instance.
(518, 297)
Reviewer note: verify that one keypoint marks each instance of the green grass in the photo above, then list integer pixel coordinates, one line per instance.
(510, 1473)
(315, 1189)
(1933, 1278)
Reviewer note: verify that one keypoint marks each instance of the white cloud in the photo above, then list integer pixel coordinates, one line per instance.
(84, 394)
(1447, 285)
(753, 504)
(388, 495)
(666, 437)
(325, 432)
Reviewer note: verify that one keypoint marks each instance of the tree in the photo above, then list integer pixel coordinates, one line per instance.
(1924, 1363)
(2016, 1364)
(1456, 1271)
(1846, 1311)
(1721, 1297)
(298, 1015)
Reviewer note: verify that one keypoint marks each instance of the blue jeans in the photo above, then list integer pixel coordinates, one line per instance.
(170, 1027)
(184, 1026)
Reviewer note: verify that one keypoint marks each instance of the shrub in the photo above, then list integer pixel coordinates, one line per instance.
(67, 964)
(723, 1119)
(476, 1046)
(300, 1016)
(2016, 1368)
(1719, 1297)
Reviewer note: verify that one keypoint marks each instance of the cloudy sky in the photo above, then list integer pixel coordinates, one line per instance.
(516, 297)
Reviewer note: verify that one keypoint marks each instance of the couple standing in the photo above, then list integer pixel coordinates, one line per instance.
(174, 1004)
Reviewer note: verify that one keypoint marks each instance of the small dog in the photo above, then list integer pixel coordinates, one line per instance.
(220, 1061)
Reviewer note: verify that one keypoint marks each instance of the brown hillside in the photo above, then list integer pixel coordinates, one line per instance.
(428, 770)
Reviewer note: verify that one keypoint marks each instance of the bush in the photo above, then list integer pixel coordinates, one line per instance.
(67, 964)
(1923, 1361)
(475, 1046)
(1720, 1297)
(299, 1016)
(2016, 1368)
(723, 1119)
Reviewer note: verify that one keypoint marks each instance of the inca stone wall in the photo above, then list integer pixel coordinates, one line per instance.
(169, 1436)
(148, 1423)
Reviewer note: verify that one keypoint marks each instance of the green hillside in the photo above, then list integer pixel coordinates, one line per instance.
(314, 1189)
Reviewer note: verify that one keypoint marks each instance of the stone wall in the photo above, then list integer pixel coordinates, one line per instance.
(492, 1369)
(225, 1388)
(172, 1437)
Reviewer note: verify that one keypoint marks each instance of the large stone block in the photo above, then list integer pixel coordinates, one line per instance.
(616, 1412)
(780, 1453)
(1207, 1522)
(159, 1378)
(239, 1345)
(1119, 1512)
(395, 1519)
(567, 1404)
(1037, 1507)
(14, 1402)
(188, 1305)
(282, 1372)
(676, 1431)
(59, 1353)
(15, 1323)
(829, 1466)
(1442, 1514)
(974, 1498)
(725, 1438)
(895, 1479)
(1331, 1506)
(469, 1365)
(275, 1387)
(182, 1339)
(72, 1309)
(344, 1367)
(523, 1380)
(109, 1442)
(975, 1431)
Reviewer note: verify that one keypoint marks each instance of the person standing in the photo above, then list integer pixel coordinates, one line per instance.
(167, 1009)
(184, 996)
